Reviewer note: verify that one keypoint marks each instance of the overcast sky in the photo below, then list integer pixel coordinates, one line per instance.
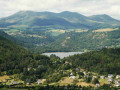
(85, 7)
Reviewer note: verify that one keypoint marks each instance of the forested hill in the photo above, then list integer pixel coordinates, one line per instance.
(90, 40)
(105, 61)
(14, 59)
(10, 54)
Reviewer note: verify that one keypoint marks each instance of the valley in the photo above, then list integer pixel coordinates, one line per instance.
(67, 50)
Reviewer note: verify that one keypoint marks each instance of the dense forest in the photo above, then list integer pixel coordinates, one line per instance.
(105, 61)
(14, 59)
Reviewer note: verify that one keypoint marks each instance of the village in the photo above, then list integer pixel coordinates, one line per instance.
(78, 77)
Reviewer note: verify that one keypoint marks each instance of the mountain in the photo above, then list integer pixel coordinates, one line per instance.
(104, 19)
(65, 31)
(64, 19)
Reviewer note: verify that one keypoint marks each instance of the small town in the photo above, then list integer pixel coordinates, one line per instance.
(79, 77)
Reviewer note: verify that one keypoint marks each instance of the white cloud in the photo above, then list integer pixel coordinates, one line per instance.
(86, 7)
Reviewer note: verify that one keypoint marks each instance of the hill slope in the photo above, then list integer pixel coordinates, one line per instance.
(90, 40)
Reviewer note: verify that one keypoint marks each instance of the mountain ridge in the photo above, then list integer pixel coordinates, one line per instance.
(74, 19)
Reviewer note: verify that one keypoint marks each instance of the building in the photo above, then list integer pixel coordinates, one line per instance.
(39, 81)
(97, 85)
(29, 68)
(72, 77)
(71, 74)
(102, 77)
(110, 76)
(117, 84)
(77, 69)
(117, 76)
(14, 83)
(110, 79)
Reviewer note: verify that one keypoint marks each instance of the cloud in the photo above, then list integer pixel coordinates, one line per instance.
(86, 7)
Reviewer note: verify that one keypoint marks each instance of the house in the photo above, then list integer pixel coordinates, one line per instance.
(77, 69)
(110, 76)
(14, 83)
(72, 77)
(97, 85)
(94, 77)
(117, 76)
(116, 81)
(28, 83)
(71, 74)
(102, 77)
(117, 84)
(29, 68)
(110, 79)
(39, 81)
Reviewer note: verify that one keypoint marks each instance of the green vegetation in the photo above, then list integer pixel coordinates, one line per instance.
(66, 31)
(105, 61)
(17, 60)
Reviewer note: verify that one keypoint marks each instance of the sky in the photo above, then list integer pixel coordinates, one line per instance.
(85, 7)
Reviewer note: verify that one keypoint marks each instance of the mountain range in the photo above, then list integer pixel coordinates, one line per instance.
(63, 20)
(65, 31)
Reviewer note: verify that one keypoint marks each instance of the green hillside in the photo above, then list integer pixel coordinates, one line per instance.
(105, 61)
(65, 31)
(14, 59)
(90, 40)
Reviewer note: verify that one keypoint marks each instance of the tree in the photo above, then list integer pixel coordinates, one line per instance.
(95, 81)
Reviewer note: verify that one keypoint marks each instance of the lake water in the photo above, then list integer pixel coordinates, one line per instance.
(62, 54)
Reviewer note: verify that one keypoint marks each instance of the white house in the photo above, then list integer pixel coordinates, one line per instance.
(72, 77)
(97, 85)
(14, 83)
(71, 74)
(39, 81)
(110, 76)
(117, 76)
(117, 84)
(77, 69)
(29, 68)
(110, 79)
(102, 77)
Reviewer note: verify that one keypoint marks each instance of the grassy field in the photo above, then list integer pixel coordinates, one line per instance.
(105, 30)
(66, 81)
(103, 81)
(3, 78)
(85, 84)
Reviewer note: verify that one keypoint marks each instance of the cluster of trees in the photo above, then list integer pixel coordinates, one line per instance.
(68, 87)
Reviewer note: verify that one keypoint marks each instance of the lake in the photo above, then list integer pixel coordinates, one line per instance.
(62, 54)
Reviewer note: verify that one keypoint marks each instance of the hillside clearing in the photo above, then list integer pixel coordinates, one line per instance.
(85, 84)
(66, 81)
(105, 30)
